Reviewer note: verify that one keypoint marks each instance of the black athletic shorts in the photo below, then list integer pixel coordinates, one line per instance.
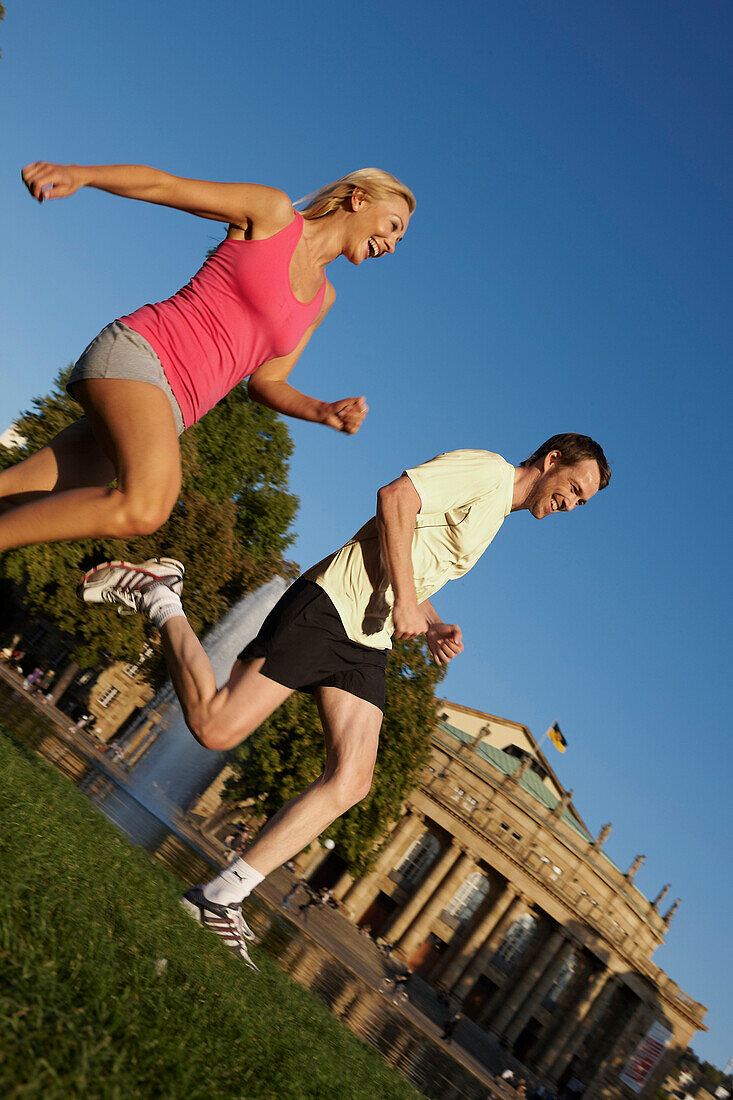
(305, 646)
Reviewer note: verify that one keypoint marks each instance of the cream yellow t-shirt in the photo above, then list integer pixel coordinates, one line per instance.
(465, 497)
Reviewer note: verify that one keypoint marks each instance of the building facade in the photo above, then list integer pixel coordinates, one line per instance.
(111, 694)
(492, 888)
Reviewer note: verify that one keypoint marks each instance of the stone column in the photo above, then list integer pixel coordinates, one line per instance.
(540, 959)
(343, 885)
(622, 1049)
(424, 891)
(418, 930)
(363, 892)
(539, 991)
(450, 973)
(585, 1016)
(488, 948)
(322, 854)
(306, 860)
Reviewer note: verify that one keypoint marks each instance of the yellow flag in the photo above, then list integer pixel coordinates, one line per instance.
(556, 736)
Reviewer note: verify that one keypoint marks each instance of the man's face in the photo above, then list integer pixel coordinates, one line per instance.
(562, 488)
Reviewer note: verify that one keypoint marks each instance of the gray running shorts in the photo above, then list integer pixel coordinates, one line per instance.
(119, 352)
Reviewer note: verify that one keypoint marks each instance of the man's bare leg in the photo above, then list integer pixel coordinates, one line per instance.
(351, 728)
(217, 718)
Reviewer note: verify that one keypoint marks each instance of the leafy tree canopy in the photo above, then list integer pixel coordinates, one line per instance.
(287, 753)
(231, 526)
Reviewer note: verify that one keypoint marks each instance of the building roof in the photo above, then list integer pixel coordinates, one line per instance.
(529, 782)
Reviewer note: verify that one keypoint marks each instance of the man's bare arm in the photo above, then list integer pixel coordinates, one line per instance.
(445, 640)
(398, 505)
(429, 612)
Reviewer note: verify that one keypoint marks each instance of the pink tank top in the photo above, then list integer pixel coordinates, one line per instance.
(237, 312)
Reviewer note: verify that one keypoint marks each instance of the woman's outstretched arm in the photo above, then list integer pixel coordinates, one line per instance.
(269, 386)
(238, 203)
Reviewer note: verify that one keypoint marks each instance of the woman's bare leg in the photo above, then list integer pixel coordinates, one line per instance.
(72, 459)
(133, 425)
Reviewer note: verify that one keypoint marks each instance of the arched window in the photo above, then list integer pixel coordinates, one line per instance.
(421, 853)
(561, 981)
(468, 897)
(515, 941)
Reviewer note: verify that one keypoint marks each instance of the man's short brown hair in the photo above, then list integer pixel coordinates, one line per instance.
(573, 448)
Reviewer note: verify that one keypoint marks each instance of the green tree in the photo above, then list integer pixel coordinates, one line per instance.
(230, 526)
(287, 753)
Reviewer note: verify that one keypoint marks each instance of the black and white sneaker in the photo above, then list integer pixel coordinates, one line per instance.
(226, 921)
(125, 584)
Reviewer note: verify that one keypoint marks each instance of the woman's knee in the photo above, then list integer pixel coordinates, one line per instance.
(138, 515)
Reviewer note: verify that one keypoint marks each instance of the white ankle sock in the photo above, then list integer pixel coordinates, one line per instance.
(161, 604)
(234, 884)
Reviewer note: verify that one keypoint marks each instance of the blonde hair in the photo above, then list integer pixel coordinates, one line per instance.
(373, 181)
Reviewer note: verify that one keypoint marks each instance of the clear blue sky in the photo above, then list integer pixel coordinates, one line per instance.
(568, 268)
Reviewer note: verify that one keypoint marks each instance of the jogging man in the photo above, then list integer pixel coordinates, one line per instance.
(331, 633)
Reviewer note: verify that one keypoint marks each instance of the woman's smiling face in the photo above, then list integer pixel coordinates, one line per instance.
(375, 227)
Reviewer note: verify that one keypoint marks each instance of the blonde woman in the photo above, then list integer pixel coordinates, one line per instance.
(247, 313)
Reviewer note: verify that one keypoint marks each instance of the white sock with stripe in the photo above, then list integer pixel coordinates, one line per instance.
(234, 884)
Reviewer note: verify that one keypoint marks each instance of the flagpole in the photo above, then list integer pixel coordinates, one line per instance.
(546, 734)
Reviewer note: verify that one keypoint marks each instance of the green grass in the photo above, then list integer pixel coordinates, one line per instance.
(83, 1012)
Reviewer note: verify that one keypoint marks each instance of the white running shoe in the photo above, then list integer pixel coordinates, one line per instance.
(125, 584)
(225, 921)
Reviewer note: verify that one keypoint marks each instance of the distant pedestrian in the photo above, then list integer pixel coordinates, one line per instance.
(450, 1026)
(508, 1075)
(46, 680)
(401, 983)
(312, 900)
(327, 898)
(290, 895)
(242, 838)
(31, 680)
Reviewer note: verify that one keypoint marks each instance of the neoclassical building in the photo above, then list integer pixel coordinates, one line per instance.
(492, 888)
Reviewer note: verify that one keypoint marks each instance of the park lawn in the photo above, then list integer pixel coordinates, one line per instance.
(84, 916)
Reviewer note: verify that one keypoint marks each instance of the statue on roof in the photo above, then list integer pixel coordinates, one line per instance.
(662, 894)
(671, 911)
(524, 766)
(563, 802)
(630, 874)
